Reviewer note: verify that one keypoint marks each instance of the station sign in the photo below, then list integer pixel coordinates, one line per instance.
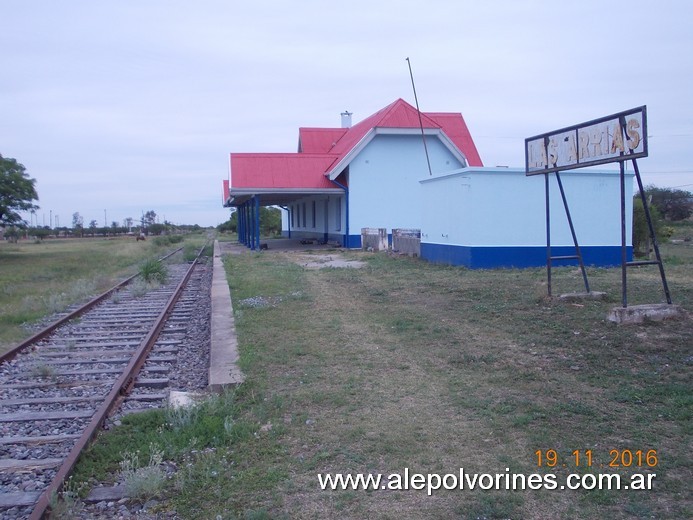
(614, 138)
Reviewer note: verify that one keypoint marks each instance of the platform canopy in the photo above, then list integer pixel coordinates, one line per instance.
(278, 179)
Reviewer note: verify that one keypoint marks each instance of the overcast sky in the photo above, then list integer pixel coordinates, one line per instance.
(125, 106)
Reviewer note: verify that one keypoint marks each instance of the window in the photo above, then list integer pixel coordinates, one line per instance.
(305, 222)
(313, 214)
(292, 211)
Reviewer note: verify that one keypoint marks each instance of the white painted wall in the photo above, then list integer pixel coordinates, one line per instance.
(325, 207)
(384, 189)
(504, 207)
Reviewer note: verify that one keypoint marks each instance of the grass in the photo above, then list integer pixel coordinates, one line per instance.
(68, 504)
(404, 364)
(38, 279)
(43, 370)
(153, 270)
(143, 481)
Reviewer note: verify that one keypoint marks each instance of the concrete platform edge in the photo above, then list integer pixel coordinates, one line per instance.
(223, 362)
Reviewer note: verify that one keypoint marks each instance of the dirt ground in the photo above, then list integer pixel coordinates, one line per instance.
(313, 259)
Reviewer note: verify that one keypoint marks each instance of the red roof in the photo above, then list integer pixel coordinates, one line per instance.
(399, 114)
(319, 140)
(320, 150)
(456, 129)
(280, 170)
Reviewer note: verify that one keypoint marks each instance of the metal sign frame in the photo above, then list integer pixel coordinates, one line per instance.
(599, 141)
(624, 135)
(655, 245)
(578, 253)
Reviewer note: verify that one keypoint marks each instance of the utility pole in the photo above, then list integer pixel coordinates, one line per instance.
(418, 111)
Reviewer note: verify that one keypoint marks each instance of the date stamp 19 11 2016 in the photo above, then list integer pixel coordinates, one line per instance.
(616, 458)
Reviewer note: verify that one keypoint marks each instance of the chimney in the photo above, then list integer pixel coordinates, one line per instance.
(346, 119)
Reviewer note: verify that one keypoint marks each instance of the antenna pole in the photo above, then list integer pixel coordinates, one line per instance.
(423, 136)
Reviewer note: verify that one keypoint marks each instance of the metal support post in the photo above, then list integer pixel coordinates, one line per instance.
(624, 252)
(256, 238)
(578, 253)
(653, 237)
(548, 233)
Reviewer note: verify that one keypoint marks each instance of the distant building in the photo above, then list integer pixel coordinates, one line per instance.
(376, 174)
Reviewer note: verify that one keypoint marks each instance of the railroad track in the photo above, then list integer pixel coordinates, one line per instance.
(58, 388)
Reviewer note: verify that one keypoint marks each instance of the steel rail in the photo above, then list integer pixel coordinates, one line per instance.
(10, 354)
(120, 388)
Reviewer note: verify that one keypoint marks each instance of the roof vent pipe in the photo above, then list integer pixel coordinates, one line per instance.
(346, 119)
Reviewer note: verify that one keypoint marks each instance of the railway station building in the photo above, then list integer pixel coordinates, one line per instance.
(378, 174)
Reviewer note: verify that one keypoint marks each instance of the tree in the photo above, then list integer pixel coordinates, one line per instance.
(149, 218)
(115, 229)
(270, 221)
(231, 225)
(157, 229)
(641, 231)
(17, 192)
(92, 226)
(78, 223)
(13, 233)
(673, 204)
(40, 232)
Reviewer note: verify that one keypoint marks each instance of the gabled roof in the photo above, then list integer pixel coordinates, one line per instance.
(399, 114)
(323, 153)
(456, 129)
(319, 140)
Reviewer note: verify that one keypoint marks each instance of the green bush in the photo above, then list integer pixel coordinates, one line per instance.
(153, 270)
(641, 232)
(665, 233)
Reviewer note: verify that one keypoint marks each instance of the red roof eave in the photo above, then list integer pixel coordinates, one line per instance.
(456, 129)
(277, 171)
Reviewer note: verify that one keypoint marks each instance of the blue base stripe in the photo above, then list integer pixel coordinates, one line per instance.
(519, 257)
(354, 241)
